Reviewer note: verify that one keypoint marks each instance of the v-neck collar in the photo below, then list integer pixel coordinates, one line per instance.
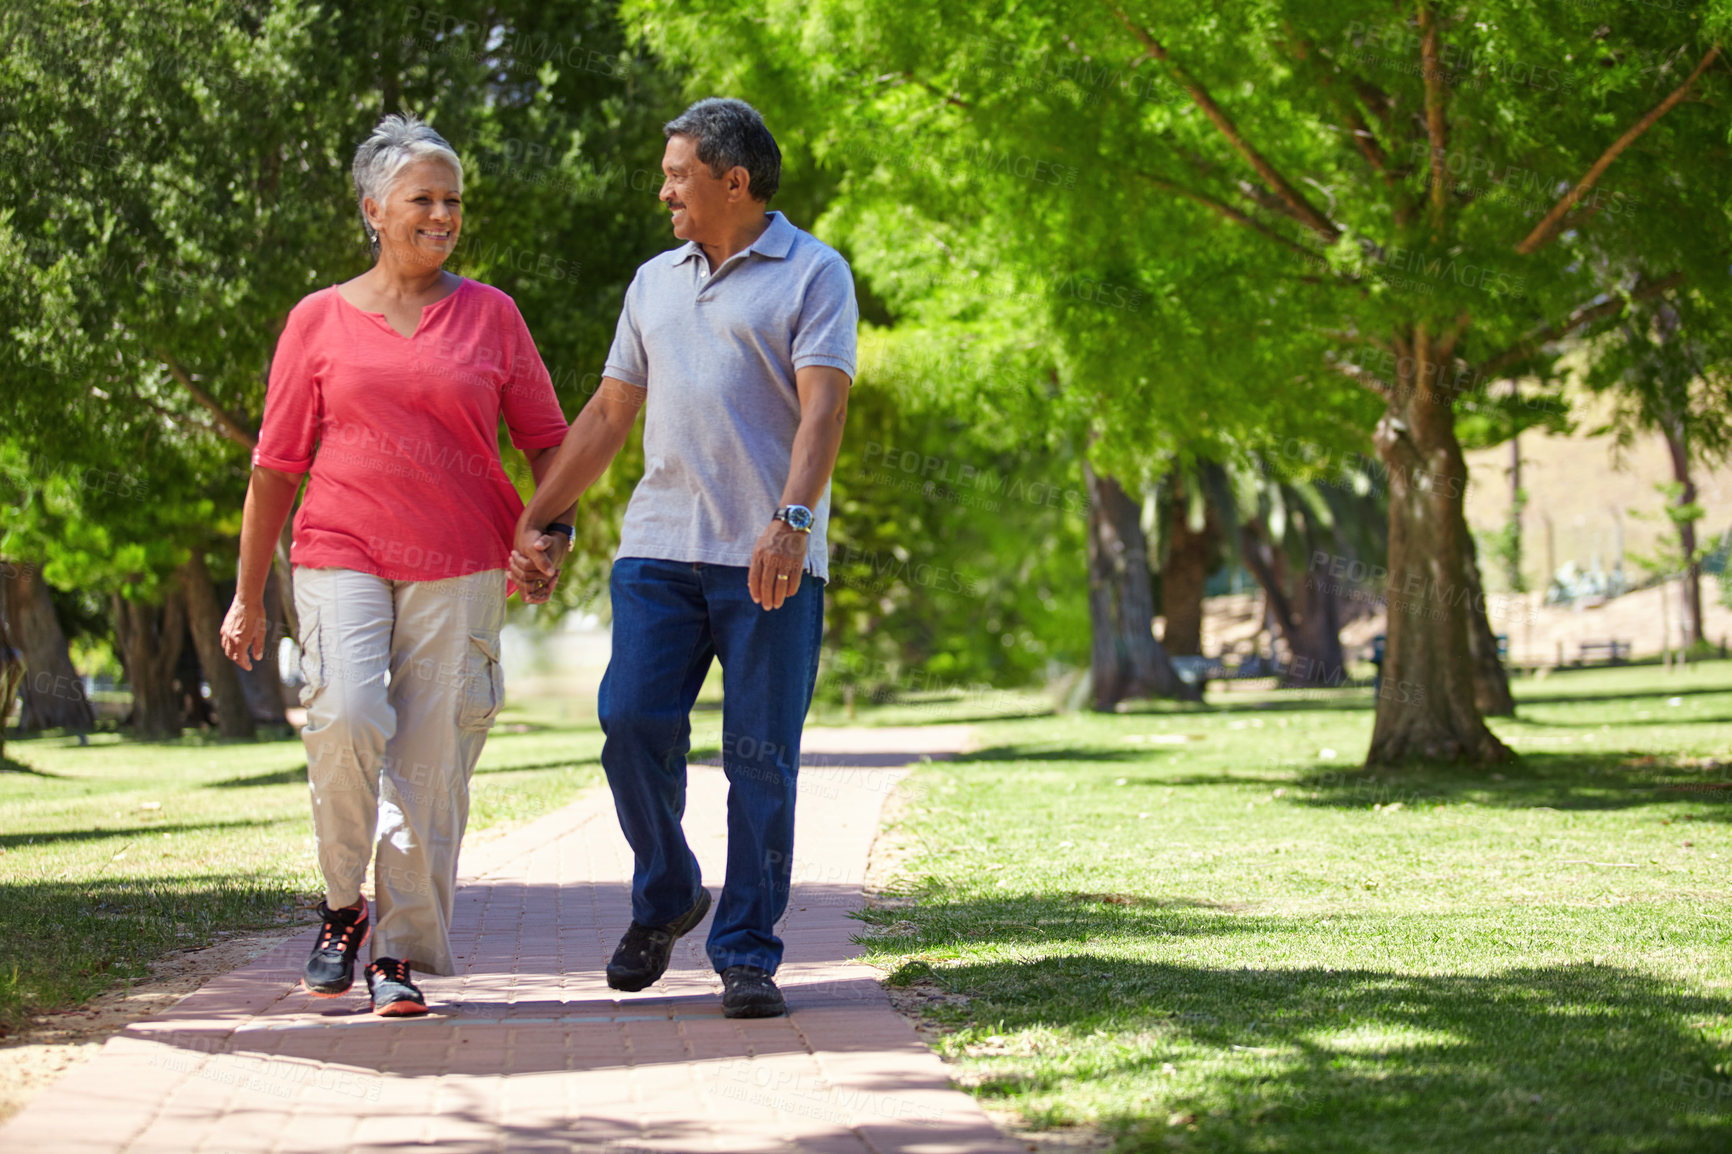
(421, 321)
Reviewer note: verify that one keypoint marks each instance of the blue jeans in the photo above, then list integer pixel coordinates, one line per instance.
(669, 619)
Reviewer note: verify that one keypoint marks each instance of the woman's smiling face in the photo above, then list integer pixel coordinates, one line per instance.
(422, 213)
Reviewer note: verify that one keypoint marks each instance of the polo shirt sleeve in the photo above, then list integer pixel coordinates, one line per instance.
(292, 402)
(827, 327)
(626, 360)
(528, 402)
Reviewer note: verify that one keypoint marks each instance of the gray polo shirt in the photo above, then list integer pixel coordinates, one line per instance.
(717, 352)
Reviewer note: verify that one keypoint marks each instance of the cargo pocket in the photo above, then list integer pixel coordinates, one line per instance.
(312, 660)
(483, 684)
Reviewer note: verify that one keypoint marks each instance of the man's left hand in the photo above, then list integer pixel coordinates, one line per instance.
(778, 559)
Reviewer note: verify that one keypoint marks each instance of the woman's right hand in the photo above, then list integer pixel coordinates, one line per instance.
(243, 633)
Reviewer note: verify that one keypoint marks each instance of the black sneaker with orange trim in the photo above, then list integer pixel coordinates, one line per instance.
(394, 995)
(331, 970)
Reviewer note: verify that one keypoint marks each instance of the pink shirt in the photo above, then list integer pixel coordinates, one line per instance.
(401, 434)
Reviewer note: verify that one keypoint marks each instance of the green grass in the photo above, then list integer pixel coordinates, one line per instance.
(117, 853)
(1201, 930)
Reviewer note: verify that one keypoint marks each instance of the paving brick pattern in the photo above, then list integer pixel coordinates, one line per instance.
(527, 1049)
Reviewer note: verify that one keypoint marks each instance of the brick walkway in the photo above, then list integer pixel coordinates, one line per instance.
(527, 1049)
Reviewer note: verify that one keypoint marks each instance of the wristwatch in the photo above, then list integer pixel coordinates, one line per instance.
(798, 517)
(569, 532)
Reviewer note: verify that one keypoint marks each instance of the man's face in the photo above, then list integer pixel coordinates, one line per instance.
(699, 200)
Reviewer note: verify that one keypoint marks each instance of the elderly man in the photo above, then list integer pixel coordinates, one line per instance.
(739, 346)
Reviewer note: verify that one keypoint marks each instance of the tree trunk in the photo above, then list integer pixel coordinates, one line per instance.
(149, 638)
(11, 673)
(1311, 631)
(204, 619)
(1317, 655)
(1490, 679)
(263, 683)
(1426, 705)
(1126, 659)
(1267, 565)
(1517, 502)
(1183, 577)
(1691, 621)
(195, 710)
(54, 695)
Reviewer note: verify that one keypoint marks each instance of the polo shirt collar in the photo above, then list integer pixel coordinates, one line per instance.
(774, 241)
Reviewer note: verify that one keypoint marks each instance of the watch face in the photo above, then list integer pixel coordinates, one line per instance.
(799, 517)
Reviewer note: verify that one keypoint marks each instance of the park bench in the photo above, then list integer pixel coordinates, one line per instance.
(1199, 670)
(1194, 670)
(1611, 652)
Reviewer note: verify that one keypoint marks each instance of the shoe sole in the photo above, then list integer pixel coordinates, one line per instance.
(403, 1009)
(780, 1009)
(348, 985)
(680, 929)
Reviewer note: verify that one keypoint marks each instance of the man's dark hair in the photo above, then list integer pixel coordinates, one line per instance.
(730, 132)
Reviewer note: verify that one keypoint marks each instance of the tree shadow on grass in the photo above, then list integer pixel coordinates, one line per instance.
(1051, 919)
(100, 833)
(1362, 700)
(1337, 702)
(1574, 1056)
(1573, 781)
(1034, 713)
(7, 765)
(1649, 722)
(1027, 753)
(1659, 693)
(1566, 781)
(297, 775)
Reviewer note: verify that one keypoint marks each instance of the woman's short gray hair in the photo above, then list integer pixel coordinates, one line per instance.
(395, 142)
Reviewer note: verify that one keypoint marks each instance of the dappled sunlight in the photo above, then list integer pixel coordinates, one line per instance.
(1227, 934)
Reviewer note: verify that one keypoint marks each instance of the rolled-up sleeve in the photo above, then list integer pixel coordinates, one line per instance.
(626, 360)
(531, 409)
(292, 404)
(829, 320)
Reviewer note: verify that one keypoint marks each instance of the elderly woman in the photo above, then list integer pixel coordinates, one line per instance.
(386, 392)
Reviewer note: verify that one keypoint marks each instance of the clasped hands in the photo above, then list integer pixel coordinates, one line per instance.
(535, 560)
(778, 560)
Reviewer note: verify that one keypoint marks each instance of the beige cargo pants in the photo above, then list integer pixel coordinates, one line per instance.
(402, 683)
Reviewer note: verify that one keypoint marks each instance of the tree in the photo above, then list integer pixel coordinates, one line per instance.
(1127, 662)
(1397, 169)
(165, 174)
(11, 674)
(1668, 370)
(1310, 533)
(948, 557)
(204, 616)
(1191, 549)
(176, 177)
(53, 693)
